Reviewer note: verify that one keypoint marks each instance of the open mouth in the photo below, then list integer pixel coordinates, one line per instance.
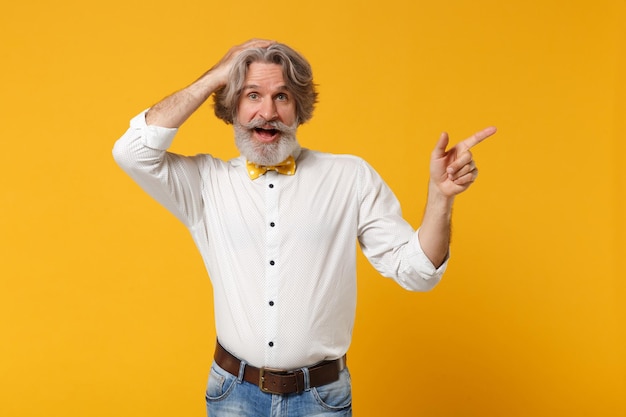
(266, 134)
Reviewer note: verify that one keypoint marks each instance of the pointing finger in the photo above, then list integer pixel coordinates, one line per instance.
(478, 137)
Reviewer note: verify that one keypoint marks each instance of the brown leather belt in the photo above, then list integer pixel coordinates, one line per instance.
(276, 381)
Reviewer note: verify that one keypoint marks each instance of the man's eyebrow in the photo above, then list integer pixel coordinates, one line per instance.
(256, 87)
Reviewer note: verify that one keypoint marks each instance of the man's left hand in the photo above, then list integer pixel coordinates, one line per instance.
(452, 171)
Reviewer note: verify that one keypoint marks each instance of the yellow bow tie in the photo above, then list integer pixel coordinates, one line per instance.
(287, 167)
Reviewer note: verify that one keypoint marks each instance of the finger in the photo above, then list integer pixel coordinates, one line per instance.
(467, 179)
(464, 170)
(257, 43)
(252, 43)
(461, 160)
(234, 51)
(442, 144)
(478, 137)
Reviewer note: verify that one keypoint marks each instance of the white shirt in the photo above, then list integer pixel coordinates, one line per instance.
(281, 250)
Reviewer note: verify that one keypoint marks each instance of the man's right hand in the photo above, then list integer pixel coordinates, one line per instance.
(221, 70)
(173, 110)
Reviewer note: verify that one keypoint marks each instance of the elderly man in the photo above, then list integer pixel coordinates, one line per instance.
(276, 228)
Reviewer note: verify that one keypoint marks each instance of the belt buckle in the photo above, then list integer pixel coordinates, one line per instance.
(262, 372)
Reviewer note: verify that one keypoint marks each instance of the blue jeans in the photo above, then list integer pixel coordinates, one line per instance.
(230, 396)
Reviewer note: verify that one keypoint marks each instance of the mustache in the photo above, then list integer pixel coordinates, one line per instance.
(264, 124)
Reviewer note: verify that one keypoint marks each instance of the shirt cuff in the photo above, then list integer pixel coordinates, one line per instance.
(155, 137)
(426, 267)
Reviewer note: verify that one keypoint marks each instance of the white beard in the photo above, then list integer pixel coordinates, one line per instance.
(265, 153)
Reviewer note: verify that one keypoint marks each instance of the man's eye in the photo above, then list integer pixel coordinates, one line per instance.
(281, 97)
(253, 96)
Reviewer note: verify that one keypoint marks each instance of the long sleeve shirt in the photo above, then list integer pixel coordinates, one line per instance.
(281, 250)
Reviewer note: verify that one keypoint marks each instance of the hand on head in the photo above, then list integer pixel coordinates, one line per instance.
(222, 68)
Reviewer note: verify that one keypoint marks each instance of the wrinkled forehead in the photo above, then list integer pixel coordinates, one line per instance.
(263, 74)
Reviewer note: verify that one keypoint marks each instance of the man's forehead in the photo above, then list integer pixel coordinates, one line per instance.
(258, 70)
(262, 75)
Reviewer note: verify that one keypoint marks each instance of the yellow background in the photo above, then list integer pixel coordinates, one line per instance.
(105, 309)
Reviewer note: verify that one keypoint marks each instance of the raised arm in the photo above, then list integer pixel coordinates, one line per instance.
(451, 172)
(173, 110)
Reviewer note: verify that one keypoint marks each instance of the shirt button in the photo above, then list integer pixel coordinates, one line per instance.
(271, 344)
(272, 224)
(272, 263)
(271, 185)
(271, 303)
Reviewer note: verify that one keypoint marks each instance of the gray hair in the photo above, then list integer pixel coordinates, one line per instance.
(296, 72)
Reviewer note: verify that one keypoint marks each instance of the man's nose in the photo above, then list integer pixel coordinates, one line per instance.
(268, 110)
